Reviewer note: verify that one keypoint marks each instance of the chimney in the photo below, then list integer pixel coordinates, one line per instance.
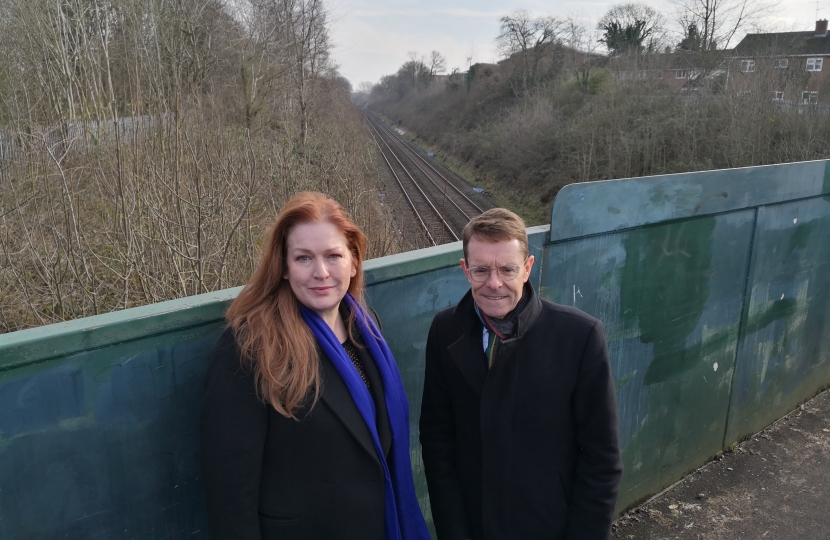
(821, 28)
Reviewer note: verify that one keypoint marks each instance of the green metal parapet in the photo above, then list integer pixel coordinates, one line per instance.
(34, 345)
(713, 287)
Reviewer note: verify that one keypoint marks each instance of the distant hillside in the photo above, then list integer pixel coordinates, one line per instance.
(587, 117)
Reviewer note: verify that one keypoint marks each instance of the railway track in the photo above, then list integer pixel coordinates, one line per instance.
(440, 207)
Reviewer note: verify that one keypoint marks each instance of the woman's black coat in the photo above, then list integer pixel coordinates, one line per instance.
(270, 477)
(530, 448)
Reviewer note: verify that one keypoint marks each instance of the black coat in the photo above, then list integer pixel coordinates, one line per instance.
(527, 449)
(271, 477)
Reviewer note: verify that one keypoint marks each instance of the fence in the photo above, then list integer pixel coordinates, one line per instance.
(77, 135)
(714, 289)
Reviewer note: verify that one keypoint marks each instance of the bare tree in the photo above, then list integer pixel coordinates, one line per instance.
(528, 39)
(581, 52)
(361, 95)
(307, 27)
(413, 73)
(153, 142)
(717, 22)
(260, 45)
(437, 63)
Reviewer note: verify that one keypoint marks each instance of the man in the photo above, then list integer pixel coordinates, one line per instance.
(519, 418)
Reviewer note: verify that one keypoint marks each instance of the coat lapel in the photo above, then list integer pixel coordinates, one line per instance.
(337, 397)
(468, 351)
(468, 354)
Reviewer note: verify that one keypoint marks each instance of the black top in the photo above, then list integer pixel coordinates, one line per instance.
(271, 477)
(530, 447)
(368, 371)
(353, 354)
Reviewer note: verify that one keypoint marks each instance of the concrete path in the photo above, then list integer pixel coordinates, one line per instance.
(773, 486)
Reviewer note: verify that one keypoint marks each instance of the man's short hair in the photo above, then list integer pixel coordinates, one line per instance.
(495, 225)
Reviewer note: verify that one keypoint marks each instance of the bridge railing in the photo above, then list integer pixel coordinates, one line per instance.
(714, 288)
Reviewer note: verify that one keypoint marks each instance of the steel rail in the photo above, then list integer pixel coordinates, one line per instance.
(403, 190)
(409, 152)
(426, 198)
(464, 207)
(428, 164)
(463, 210)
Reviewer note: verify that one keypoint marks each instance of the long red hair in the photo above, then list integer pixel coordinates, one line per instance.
(265, 317)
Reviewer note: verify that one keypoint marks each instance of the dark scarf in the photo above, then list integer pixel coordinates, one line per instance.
(507, 326)
(404, 520)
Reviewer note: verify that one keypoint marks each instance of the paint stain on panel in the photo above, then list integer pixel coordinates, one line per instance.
(665, 282)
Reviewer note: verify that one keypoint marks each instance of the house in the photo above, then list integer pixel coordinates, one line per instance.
(440, 78)
(679, 70)
(791, 66)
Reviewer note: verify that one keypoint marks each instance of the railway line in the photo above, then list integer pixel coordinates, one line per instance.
(439, 206)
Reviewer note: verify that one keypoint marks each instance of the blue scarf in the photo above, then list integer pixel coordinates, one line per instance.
(404, 520)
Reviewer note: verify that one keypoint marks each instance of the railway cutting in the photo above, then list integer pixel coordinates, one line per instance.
(439, 202)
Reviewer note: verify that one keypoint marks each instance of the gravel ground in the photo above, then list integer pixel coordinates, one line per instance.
(774, 485)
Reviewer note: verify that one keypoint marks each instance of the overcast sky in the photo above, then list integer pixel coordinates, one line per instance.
(373, 37)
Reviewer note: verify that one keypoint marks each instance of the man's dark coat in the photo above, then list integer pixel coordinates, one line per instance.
(530, 448)
(272, 478)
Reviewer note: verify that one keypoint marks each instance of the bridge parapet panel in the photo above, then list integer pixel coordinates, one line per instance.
(713, 286)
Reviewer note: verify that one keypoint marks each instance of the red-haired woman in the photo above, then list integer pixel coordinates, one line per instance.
(305, 425)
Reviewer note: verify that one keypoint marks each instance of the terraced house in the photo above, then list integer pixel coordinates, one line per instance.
(791, 66)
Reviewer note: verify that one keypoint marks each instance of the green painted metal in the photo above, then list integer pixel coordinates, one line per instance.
(691, 271)
(104, 443)
(714, 288)
(670, 297)
(63, 339)
(785, 337)
(601, 207)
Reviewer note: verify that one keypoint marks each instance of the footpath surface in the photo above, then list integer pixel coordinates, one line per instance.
(773, 486)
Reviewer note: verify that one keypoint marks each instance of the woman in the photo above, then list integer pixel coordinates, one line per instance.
(305, 425)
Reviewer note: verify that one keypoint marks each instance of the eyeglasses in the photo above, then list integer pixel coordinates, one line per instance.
(482, 273)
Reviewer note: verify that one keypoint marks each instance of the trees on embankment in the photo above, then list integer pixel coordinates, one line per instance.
(146, 145)
(586, 114)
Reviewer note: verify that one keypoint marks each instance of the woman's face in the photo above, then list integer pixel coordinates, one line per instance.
(319, 267)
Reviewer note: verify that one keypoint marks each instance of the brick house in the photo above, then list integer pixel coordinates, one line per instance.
(791, 66)
(678, 70)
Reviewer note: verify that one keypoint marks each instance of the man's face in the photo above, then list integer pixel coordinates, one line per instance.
(496, 296)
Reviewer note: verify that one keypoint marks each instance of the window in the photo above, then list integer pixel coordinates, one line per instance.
(626, 75)
(681, 74)
(747, 66)
(782, 63)
(809, 97)
(778, 96)
(814, 64)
